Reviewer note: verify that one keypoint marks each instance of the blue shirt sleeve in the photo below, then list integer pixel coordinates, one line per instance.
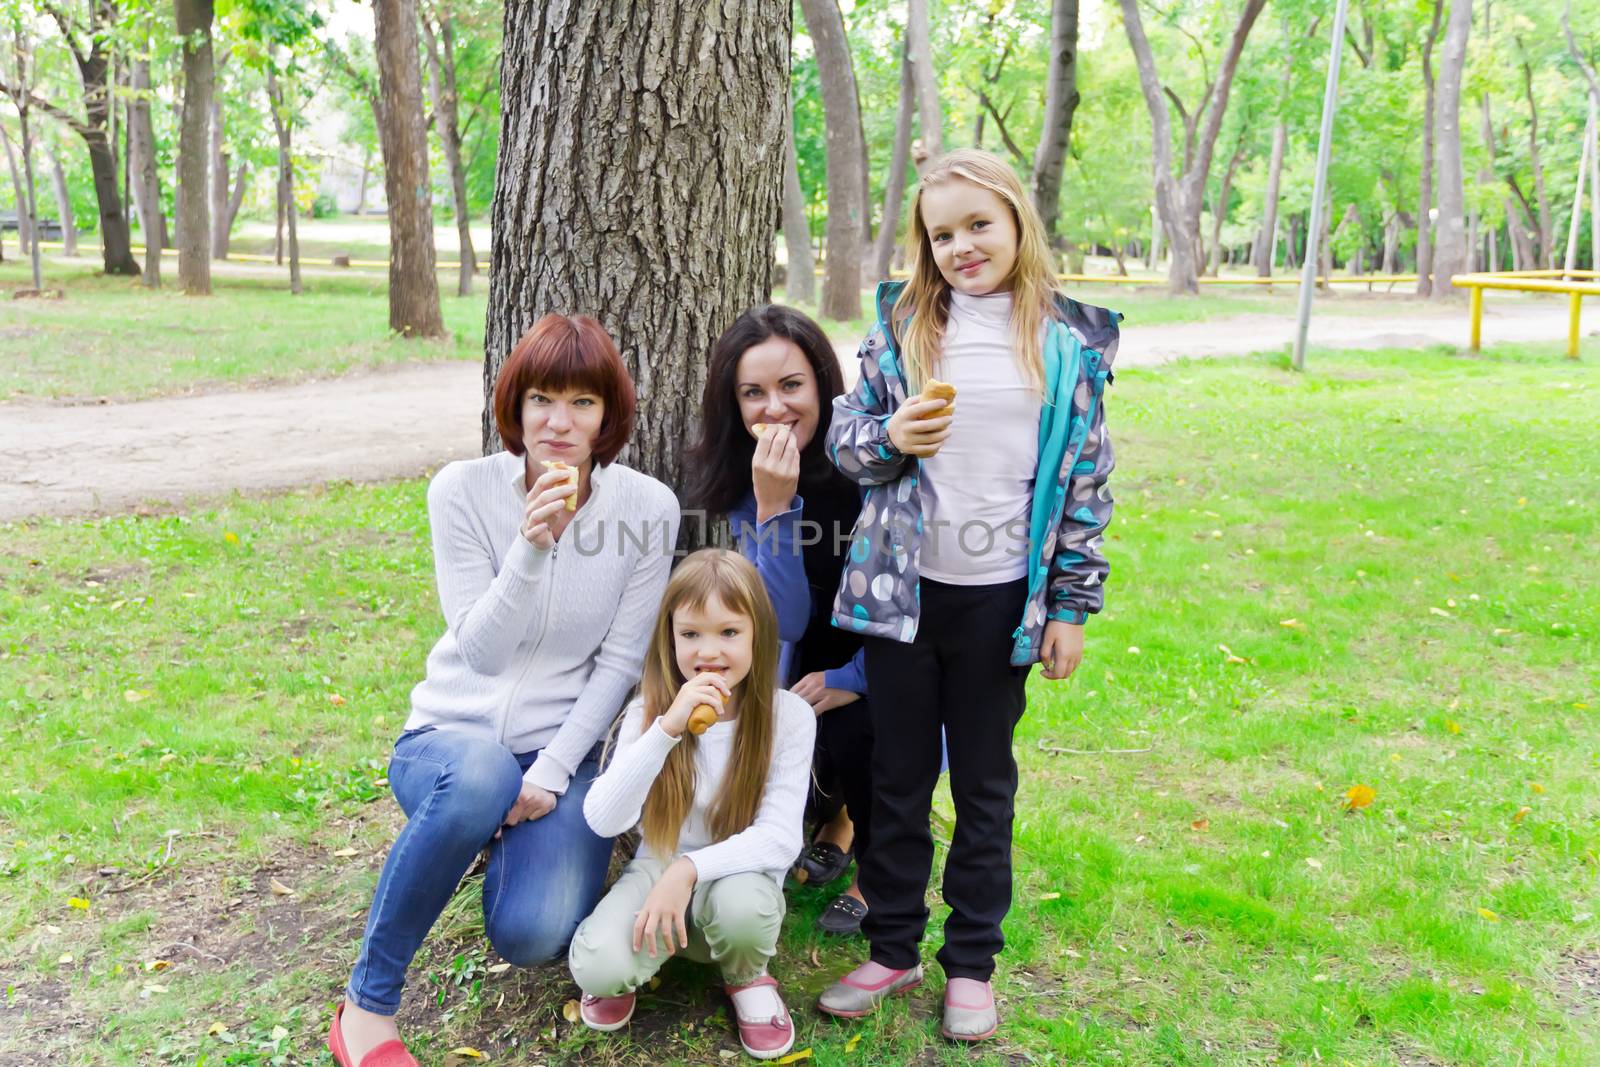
(852, 677)
(773, 546)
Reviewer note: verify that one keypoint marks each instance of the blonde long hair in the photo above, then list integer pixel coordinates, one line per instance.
(925, 300)
(707, 575)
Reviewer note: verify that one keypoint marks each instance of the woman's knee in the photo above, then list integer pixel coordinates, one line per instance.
(744, 910)
(477, 787)
(602, 960)
(527, 938)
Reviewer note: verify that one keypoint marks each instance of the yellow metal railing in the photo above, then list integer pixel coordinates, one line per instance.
(1531, 281)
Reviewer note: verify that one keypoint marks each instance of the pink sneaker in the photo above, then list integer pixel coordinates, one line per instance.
(765, 1029)
(606, 1013)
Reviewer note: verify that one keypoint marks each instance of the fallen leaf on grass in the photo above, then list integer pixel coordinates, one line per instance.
(51, 928)
(1049, 896)
(1453, 726)
(133, 696)
(278, 1033)
(151, 989)
(1200, 825)
(1313, 863)
(499, 968)
(1228, 652)
(217, 1028)
(336, 700)
(795, 1057)
(465, 1054)
(1536, 787)
(157, 965)
(1487, 914)
(1291, 624)
(65, 957)
(344, 853)
(279, 889)
(1522, 813)
(1359, 796)
(78, 902)
(570, 1011)
(850, 1046)
(1443, 614)
(816, 960)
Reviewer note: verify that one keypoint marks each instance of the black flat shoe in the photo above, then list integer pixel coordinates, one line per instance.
(821, 863)
(842, 916)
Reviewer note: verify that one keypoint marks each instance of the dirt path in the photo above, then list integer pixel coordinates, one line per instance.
(395, 423)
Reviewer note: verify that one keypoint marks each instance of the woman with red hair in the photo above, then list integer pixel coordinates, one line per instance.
(551, 559)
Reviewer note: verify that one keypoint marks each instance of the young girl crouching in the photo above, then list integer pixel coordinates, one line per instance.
(720, 812)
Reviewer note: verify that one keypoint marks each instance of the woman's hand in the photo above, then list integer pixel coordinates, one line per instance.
(775, 471)
(706, 687)
(547, 497)
(532, 803)
(666, 909)
(1061, 650)
(815, 691)
(912, 432)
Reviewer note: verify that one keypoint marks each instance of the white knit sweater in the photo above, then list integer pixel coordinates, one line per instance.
(541, 648)
(770, 844)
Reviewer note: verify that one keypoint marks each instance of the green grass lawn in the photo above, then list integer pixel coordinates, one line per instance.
(1382, 573)
(112, 338)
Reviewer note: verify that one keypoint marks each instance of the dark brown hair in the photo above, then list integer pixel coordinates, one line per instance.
(721, 458)
(559, 353)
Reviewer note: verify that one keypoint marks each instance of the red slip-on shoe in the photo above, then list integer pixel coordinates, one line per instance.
(392, 1053)
(765, 1029)
(606, 1013)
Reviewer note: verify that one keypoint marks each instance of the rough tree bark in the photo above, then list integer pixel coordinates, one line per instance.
(441, 42)
(841, 271)
(281, 126)
(1451, 256)
(800, 281)
(1425, 197)
(146, 178)
(894, 190)
(1178, 198)
(69, 226)
(919, 42)
(1060, 102)
(413, 285)
(667, 242)
(194, 19)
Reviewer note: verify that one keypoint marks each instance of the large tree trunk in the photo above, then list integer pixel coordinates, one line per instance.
(800, 283)
(1269, 213)
(1179, 200)
(1452, 254)
(194, 208)
(841, 276)
(667, 242)
(1060, 102)
(919, 44)
(442, 82)
(413, 285)
(146, 183)
(1425, 198)
(281, 126)
(69, 226)
(894, 191)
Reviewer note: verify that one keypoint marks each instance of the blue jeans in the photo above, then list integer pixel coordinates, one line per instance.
(544, 876)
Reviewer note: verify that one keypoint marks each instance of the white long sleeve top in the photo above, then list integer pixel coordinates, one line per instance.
(542, 647)
(769, 844)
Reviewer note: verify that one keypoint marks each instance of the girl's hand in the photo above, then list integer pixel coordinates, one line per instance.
(775, 471)
(532, 803)
(912, 432)
(547, 497)
(1061, 650)
(706, 687)
(666, 909)
(819, 695)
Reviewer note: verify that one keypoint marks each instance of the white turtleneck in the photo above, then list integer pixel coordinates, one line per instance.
(978, 491)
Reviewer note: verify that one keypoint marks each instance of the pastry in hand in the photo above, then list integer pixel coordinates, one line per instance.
(758, 428)
(572, 476)
(937, 390)
(701, 718)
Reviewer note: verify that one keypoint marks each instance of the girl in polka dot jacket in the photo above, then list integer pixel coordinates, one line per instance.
(976, 555)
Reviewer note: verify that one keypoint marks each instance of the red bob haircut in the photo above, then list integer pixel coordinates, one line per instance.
(560, 353)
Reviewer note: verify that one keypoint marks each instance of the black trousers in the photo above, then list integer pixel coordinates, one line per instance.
(842, 770)
(956, 674)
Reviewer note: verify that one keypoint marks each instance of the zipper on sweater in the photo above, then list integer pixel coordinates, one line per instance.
(544, 625)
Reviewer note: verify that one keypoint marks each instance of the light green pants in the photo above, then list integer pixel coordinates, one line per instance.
(733, 922)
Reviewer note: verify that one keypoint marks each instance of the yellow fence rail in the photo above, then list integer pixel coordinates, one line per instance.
(1531, 281)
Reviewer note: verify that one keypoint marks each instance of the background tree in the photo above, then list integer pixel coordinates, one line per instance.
(413, 285)
(1060, 103)
(665, 243)
(194, 18)
(438, 31)
(841, 267)
(799, 270)
(1453, 253)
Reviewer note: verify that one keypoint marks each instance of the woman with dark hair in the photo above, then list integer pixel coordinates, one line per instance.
(551, 559)
(760, 462)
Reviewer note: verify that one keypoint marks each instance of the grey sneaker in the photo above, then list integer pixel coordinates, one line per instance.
(853, 996)
(969, 1013)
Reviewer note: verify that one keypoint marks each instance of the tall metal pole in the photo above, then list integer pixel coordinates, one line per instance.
(1308, 272)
